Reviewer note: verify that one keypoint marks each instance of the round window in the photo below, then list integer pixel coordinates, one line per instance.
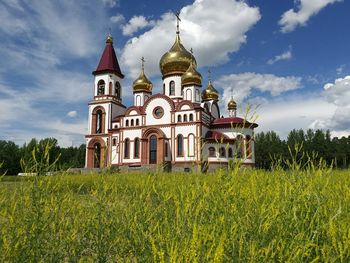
(158, 112)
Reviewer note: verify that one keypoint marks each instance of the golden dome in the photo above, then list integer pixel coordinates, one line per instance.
(142, 83)
(191, 77)
(176, 60)
(232, 105)
(210, 93)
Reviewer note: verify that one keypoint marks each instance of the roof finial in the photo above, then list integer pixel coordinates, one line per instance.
(177, 14)
(209, 75)
(109, 37)
(143, 63)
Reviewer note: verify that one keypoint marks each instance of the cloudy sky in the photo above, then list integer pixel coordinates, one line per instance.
(289, 59)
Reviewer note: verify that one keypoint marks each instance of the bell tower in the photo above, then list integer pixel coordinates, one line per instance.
(107, 104)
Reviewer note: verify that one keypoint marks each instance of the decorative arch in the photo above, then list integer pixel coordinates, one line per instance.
(184, 102)
(130, 109)
(158, 96)
(96, 153)
(98, 120)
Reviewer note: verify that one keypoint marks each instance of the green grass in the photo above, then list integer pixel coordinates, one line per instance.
(245, 216)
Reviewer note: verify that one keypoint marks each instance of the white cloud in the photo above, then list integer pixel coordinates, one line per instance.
(135, 24)
(117, 19)
(340, 69)
(214, 29)
(337, 94)
(306, 8)
(242, 85)
(72, 114)
(287, 55)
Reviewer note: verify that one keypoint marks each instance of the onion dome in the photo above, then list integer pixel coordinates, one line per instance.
(177, 60)
(191, 77)
(232, 105)
(210, 93)
(142, 83)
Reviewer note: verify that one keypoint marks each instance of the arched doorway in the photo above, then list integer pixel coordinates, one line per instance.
(152, 149)
(96, 153)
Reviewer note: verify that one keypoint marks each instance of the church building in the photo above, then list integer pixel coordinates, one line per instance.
(181, 127)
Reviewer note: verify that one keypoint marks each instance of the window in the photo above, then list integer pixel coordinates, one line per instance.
(99, 121)
(137, 122)
(132, 122)
(172, 88)
(163, 88)
(179, 119)
(166, 151)
(114, 142)
(197, 95)
(191, 117)
(101, 87)
(137, 148)
(211, 152)
(117, 90)
(158, 112)
(126, 148)
(180, 145)
(230, 153)
(185, 118)
(222, 152)
(127, 123)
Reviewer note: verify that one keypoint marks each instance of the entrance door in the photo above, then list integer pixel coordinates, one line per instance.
(153, 149)
(97, 155)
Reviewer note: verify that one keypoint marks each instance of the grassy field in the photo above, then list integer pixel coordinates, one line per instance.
(240, 216)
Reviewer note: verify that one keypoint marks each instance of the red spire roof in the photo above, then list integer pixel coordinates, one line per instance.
(108, 61)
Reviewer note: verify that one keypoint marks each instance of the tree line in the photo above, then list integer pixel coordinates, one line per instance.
(14, 157)
(314, 144)
(269, 148)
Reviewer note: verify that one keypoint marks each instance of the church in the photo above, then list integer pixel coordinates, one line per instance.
(180, 128)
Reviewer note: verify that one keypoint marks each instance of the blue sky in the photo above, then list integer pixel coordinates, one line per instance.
(289, 58)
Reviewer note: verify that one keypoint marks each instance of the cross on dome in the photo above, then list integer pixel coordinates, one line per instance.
(177, 14)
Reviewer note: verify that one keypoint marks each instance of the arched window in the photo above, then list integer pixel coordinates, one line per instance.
(179, 119)
(172, 88)
(197, 95)
(99, 117)
(126, 148)
(117, 90)
(191, 117)
(180, 145)
(101, 87)
(166, 150)
(230, 153)
(248, 146)
(239, 147)
(222, 152)
(211, 152)
(185, 118)
(127, 123)
(137, 122)
(132, 122)
(114, 142)
(137, 148)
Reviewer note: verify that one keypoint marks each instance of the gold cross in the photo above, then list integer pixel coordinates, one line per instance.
(143, 62)
(177, 14)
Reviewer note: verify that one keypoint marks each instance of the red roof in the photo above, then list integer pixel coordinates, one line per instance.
(232, 121)
(108, 62)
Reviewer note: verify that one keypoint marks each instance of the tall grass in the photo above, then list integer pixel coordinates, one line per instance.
(242, 215)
